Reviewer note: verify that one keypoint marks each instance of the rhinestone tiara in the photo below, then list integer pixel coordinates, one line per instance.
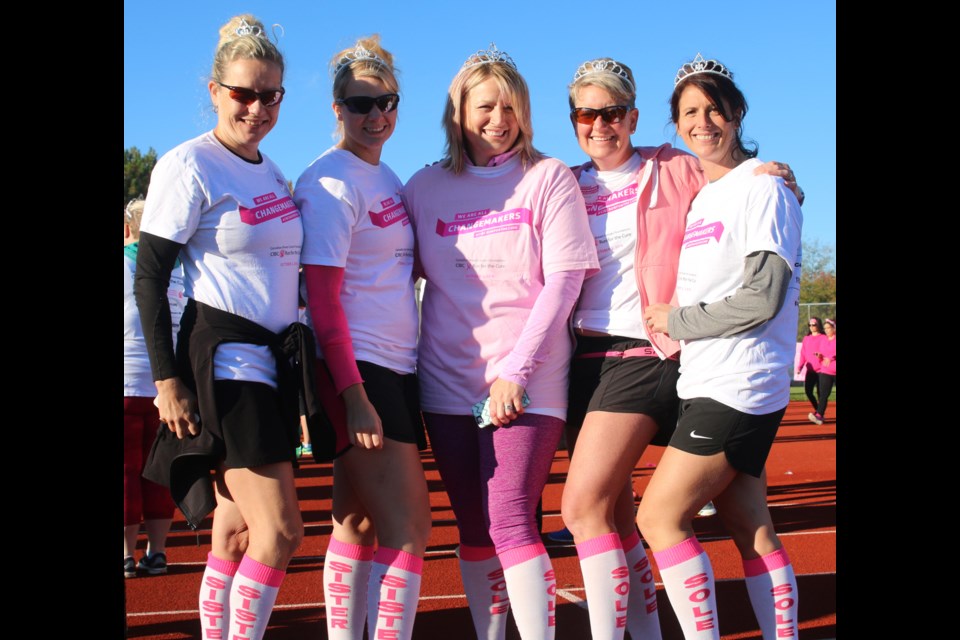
(603, 66)
(699, 65)
(246, 29)
(486, 56)
(359, 53)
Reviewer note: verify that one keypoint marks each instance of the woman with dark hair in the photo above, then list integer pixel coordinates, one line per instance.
(736, 317)
(826, 356)
(810, 363)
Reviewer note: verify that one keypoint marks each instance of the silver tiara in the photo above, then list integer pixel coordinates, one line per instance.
(246, 29)
(359, 53)
(603, 66)
(699, 65)
(486, 56)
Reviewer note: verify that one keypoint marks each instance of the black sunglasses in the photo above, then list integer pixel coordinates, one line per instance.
(610, 115)
(364, 104)
(270, 98)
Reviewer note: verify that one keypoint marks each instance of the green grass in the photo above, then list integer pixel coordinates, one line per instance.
(797, 393)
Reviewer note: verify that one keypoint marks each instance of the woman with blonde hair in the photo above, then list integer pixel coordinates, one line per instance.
(358, 266)
(230, 393)
(504, 245)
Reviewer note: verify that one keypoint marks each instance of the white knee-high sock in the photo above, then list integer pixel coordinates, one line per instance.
(532, 586)
(606, 581)
(643, 618)
(215, 597)
(393, 594)
(486, 591)
(346, 570)
(252, 594)
(772, 587)
(688, 580)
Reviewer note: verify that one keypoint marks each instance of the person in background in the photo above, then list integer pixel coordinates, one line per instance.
(810, 363)
(736, 314)
(623, 377)
(358, 266)
(503, 242)
(225, 208)
(826, 355)
(143, 500)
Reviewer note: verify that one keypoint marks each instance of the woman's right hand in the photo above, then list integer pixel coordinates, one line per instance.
(364, 428)
(177, 406)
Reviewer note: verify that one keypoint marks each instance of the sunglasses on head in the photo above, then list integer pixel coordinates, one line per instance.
(269, 98)
(364, 104)
(610, 115)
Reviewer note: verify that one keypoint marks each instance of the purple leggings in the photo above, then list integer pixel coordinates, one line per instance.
(494, 476)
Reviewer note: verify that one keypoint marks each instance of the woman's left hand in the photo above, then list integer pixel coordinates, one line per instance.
(506, 402)
(656, 317)
(781, 170)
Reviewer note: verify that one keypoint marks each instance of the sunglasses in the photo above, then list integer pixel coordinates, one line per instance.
(610, 115)
(364, 104)
(270, 98)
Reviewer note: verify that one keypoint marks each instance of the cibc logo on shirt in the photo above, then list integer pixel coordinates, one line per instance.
(698, 233)
(267, 207)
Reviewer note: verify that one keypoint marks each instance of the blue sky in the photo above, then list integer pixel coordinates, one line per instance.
(782, 54)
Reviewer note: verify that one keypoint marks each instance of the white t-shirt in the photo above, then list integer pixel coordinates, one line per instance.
(610, 300)
(353, 217)
(731, 218)
(137, 378)
(485, 240)
(242, 235)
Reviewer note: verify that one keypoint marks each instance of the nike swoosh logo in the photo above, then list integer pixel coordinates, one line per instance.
(693, 434)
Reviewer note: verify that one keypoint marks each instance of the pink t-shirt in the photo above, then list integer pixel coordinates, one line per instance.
(485, 241)
(809, 346)
(828, 349)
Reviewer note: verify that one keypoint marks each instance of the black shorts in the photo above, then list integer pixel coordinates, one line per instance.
(251, 422)
(707, 427)
(603, 380)
(396, 398)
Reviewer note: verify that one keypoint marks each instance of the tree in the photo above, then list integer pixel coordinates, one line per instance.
(136, 172)
(818, 284)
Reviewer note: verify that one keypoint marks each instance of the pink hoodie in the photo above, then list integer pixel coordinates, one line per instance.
(675, 179)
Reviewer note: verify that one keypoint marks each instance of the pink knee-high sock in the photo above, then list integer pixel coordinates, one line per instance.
(252, 595)
(688, 579)
(393, 593)
(772, 587)
(606, 581)
(215, 597)
(532, 586)
(643, 619)
(486, 591)
(346, 571)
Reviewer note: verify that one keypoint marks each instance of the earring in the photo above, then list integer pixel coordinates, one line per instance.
(216, 109)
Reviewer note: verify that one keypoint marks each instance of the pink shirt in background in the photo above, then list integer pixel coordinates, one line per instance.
(828, 349)
(810, 346)
(486, 239)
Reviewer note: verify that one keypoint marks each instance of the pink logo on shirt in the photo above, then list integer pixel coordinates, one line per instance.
(484, 222)
(616, 200)
(392, 213)
(698, 233)
(269, 207)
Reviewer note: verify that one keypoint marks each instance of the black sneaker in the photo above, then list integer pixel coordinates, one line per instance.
(154, 564)
(129, 567)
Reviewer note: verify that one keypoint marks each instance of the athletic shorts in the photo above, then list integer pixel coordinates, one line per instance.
(251, 422)
(707, 427)
(396, 398)
(603, 379)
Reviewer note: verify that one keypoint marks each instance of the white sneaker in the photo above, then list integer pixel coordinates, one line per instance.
(812, 417)
(707, 510)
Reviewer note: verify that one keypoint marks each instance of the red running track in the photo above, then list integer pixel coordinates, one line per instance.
(802, 495)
